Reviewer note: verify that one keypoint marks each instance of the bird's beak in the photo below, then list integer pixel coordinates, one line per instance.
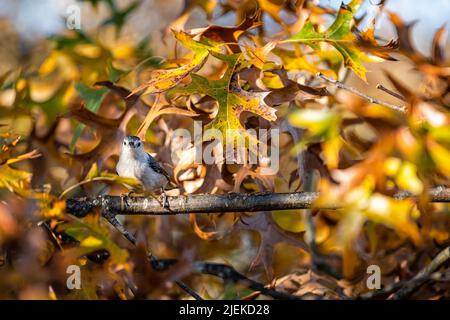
(131, 143)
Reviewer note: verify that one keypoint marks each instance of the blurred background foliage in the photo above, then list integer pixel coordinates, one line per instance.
(68, 97)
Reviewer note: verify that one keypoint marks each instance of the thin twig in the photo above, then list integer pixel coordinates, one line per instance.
(392, 93)
(403, 289)
(213, 203)
(415, 283)
(381, 294)
(341, 85)
(111, 218)
(188, 290)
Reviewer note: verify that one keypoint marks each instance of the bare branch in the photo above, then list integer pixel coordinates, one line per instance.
(415, 283)
(361, 94)
(403, 289)
(212, 203)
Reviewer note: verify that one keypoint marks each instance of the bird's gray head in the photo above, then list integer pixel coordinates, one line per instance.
(132, 144)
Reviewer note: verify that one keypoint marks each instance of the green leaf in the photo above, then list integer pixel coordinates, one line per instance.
(339, 35)
(93, 99)
(232, 100)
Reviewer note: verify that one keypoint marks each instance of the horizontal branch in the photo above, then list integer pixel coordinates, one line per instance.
(212, 203)
(231, 202)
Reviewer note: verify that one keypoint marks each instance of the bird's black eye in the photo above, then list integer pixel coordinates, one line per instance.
(138, 144)
(124, 143)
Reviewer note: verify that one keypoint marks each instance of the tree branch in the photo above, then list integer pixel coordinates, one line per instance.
(341, 85)
(212, 203)
(403, 289)
(415, 283)
(231, 202)
(392, 93)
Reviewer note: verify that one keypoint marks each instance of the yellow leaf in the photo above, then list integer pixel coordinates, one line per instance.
(317, 121)
(290, 220)
(93, 172)
(391, 166)
(88, 50)
(90, 242)
(49, 64)
(440, 156)
(293, 61)
(162, 80)
(57, 210)
(407, 178)
(331, 150)
(394, 213)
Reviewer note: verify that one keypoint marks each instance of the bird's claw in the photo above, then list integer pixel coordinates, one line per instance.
(164, 200)
(122, 204)
(124, 199)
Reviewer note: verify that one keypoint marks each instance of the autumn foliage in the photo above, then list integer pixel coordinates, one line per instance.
(65, 112)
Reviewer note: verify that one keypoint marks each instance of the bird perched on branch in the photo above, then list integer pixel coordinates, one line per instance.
(134, 162)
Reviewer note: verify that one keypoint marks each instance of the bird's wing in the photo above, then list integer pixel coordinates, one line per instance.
(157, 167)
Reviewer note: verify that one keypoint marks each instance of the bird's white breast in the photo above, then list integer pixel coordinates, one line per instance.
(126, 167)
(131, 167)
(138, 168)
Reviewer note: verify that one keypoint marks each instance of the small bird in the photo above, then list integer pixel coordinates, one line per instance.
(134, 162)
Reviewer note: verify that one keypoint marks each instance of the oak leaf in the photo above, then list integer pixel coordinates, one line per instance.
(338, 35)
